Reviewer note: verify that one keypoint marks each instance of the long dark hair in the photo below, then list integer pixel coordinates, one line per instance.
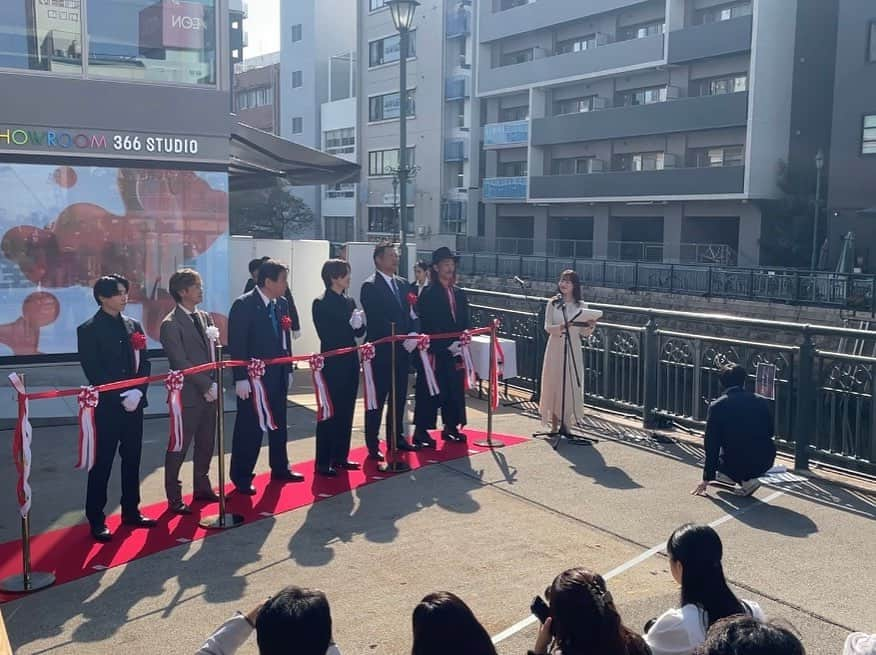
(585, 619)
(443, 624)
(698, 549)
(572, 277)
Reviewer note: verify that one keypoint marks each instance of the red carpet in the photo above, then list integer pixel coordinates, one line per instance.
(71, 553)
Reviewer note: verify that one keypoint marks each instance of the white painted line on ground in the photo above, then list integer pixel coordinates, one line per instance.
(626, 566)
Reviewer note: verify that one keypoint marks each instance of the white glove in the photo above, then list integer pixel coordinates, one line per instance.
(357, 319)
(455, 348)
(242, 389)
(131, 399)
(212, 393)
(410, 344)
(296, 334)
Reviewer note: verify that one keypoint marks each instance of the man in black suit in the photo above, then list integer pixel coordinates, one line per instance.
(442, 308)
(107, 354)
(384, 300)
(254, 265)
(739, 436)
(255, 330)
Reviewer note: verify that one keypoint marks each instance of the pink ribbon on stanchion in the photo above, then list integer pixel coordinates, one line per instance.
(471, 377)
(174, 384)
(324, 408)
(88, 398)
(21, 446)
(423, 342)
(369, 390)
(498, 366)
(256, 370)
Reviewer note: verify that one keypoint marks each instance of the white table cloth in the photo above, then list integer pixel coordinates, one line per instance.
(480, 354)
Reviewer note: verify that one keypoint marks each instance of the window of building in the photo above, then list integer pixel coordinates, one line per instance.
(386, 106)
(575, 45)
(341, 190)
(340, 142)
(871, 53)
(297, 125)
(868, 137)
(571, 166)
(296, 32)
(374, 5)
(252, 98)
(144, 40)
(385, 162)
(722, 12)
(508, 114)
(387, 50)
(456, 175)
(573, 105)
(513, 169)
(639, 161)
(383, 220)
(510, 4)
(516, 57)
(634, 97)
(641, 30)
(453, 217)
(716, 86)
(30, 40)
(338, 229)
(720, 156)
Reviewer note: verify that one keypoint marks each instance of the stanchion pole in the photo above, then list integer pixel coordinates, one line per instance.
(488, 442)
(223, 520)
(393, 463)
(29, 580)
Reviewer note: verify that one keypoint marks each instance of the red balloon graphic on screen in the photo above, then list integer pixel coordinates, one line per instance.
(65, 177)
(38, 310)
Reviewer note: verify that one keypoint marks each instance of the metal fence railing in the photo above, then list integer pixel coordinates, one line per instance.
(824, 406)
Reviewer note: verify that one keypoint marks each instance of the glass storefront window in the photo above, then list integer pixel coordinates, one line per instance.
(153, 40)
(41, 35)
(65, 226)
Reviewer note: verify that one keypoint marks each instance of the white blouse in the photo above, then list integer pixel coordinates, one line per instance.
(679, 631)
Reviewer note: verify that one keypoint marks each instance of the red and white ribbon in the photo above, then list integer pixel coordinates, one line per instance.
(497, 369)
(174, 383)
(369, 390)
(428, 370)
(285, 326)
(88, 399)
(471, 376)
(256, 370)
(324, 408)
(21, 446)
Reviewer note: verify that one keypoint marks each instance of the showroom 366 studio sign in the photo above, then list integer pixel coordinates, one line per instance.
(21, 138)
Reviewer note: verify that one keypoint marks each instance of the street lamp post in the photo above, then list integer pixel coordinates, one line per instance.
(395, 214)
(402, 12)
(819, 164)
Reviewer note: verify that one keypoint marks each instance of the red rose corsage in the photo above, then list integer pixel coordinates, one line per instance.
(412, 299)
(138, 341)
(286, 323)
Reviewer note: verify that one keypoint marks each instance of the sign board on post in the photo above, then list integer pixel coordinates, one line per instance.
(765, 380)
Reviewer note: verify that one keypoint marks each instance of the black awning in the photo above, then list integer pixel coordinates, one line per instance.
(258, 158)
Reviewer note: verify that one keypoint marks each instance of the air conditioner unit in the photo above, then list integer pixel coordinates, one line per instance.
(670, 160)
(672, 92)
(421, 230)
(600, 103)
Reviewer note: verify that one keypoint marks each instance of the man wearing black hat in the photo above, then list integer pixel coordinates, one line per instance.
(442, 308)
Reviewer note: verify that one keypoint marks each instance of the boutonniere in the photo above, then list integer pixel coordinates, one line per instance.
(286, 323)
(138, 341)
(412, 299)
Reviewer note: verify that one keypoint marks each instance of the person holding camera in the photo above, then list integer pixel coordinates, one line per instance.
(581, 619)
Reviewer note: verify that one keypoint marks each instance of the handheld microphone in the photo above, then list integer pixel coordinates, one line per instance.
(520, 281)
(559, 299)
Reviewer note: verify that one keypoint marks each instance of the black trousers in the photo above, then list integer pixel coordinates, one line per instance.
(333, 435)
(122, 431)
(745, 466)
(247, 439)
(382, 365)
(450, 400)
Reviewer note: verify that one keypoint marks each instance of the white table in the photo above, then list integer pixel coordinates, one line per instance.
(480, 354)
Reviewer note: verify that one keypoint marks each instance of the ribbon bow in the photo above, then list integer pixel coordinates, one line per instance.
(174, 383)
(285, 326)
(212, 333)
(468, 362)
(423, 343)
(324, 408)
(88, 398)
(256, 370)
(369, 390)
(21, 446)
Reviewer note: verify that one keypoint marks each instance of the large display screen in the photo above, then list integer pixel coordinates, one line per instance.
(62, 227)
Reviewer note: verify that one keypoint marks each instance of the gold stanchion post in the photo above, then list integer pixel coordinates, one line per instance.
(488, 442)
(393, 463)
(29, 580)
(223, 520)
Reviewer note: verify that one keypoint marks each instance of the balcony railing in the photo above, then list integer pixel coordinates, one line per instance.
(515, 245)
(569, 248)
(453, 210)
(708, 253)
(510, 133)
(455, 150)
(504, 188)
(635, 251)
(456, 88)
(459, 23)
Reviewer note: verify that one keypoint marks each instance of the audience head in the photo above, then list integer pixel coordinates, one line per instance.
(743, 635)
(695, 553)
(567, 278)
(295, 620)
(336, 271)
(421, 272)
(443, 624)
(859, 643)
(254, 265)
(732, 375)
(111, 292)
(272, 278)
(386, 258)
(584, 618)
(186, 286)
(443, 267)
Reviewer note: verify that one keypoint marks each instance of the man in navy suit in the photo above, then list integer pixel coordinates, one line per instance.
(384, 299)
(739, 436)
(255, 330)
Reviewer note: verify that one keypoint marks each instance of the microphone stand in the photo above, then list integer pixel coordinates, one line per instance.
(535, 307)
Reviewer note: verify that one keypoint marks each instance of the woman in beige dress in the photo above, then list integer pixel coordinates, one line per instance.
(551, 402)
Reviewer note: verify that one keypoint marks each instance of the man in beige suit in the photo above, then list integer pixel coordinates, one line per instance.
(184, 338)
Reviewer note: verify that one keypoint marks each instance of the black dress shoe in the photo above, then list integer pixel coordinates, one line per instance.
(180, 508)
(376, 456)
(139, 521)
(405, 446)
(208, 497)
(287, 476)
(101, 533)
(246, 491)
(348, 465)
(452, 436)
(422, 438)
(327, 473)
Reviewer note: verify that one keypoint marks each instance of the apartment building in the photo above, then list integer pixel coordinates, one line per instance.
(256, 92)
(640, 130)
(442, 126)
